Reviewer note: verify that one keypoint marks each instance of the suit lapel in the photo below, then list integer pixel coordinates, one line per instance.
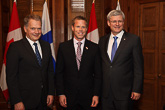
(121, 46)
(72, 53)
(43, 52)
(85, 52)
(106, 47)
(30, 50)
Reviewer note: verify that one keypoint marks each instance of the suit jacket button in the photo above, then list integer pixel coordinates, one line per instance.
(110, 66)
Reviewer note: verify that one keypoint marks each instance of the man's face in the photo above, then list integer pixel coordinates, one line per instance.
(116, 24)
(79, 29)
(33, 30)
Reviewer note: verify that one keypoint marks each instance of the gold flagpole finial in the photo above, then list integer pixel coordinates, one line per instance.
(93, 1)
(46, 0)
(118, 0)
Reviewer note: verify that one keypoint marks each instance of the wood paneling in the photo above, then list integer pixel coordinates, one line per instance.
(149, 29)
(58, 22)
(161, 73)
(1, 45)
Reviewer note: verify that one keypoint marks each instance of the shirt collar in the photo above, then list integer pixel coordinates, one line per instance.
(32, 42)
(76, 41)
(118, 35)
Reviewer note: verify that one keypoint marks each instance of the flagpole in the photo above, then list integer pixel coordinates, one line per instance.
(32, 4)
(93, 1)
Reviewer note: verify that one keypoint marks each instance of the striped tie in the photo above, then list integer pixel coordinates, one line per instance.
(37, 53)
(78, 55)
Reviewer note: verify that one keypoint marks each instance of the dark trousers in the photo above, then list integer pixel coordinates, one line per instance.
(79, 107)
(110, 103)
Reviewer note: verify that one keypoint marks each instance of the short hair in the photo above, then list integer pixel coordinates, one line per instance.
(79, 18)
(31, 16)
(115, 13)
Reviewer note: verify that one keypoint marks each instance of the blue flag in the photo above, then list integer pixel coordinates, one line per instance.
(46, 31)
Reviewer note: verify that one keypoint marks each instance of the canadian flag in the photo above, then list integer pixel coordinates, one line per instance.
(93, 34)
(14, 34)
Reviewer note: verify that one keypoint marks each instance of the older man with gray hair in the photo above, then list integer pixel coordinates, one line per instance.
(122, 63)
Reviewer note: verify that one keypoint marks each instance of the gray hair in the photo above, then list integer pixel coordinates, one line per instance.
(31, 16)
(115, 13)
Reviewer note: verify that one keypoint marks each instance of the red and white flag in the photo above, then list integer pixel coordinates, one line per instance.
(14, 34)
(93, 34)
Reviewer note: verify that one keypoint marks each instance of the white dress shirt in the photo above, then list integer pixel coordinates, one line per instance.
(82, 45)
(33, 47)
(111, 40)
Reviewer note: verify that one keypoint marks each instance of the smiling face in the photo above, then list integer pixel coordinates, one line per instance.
(33, 30)
(79, 29)
(116, 24)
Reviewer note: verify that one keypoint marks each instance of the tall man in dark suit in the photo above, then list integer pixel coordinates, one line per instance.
(29, 69)
(78, 71)
(122, 63)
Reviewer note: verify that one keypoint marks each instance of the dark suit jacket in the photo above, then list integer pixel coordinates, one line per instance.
(24, 75)
(125, 74)
(79, 85)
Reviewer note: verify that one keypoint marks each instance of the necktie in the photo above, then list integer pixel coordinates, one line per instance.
(114, 48)
(37, 53)
(78, 55)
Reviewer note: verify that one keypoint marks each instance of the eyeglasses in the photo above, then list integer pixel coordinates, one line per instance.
(114, 22)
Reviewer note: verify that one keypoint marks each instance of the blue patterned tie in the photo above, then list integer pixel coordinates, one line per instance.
(114, 48)
(37, 53)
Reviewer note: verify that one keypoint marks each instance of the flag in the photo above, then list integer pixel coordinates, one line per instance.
(46, 31)
(93, 33)
(118, 6)
(14, 34)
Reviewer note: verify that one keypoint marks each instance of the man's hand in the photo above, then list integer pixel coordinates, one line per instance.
(95, 101)
(19, 106)
(62, 100)
(50, 99)
(135, 96)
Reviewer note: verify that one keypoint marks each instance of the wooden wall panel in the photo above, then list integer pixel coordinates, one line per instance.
(58, 22)
(149, 21)
(133, 17)
(1, 45)
(161, 101)
(161, 74)
(38, 6)
(23, 8)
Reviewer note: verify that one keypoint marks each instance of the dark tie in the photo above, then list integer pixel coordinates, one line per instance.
(37, 53)
(114, 48)
(78, 55)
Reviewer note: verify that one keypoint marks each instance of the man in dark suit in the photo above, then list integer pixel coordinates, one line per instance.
(30, 77)
(78, 70)
(122, 63)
